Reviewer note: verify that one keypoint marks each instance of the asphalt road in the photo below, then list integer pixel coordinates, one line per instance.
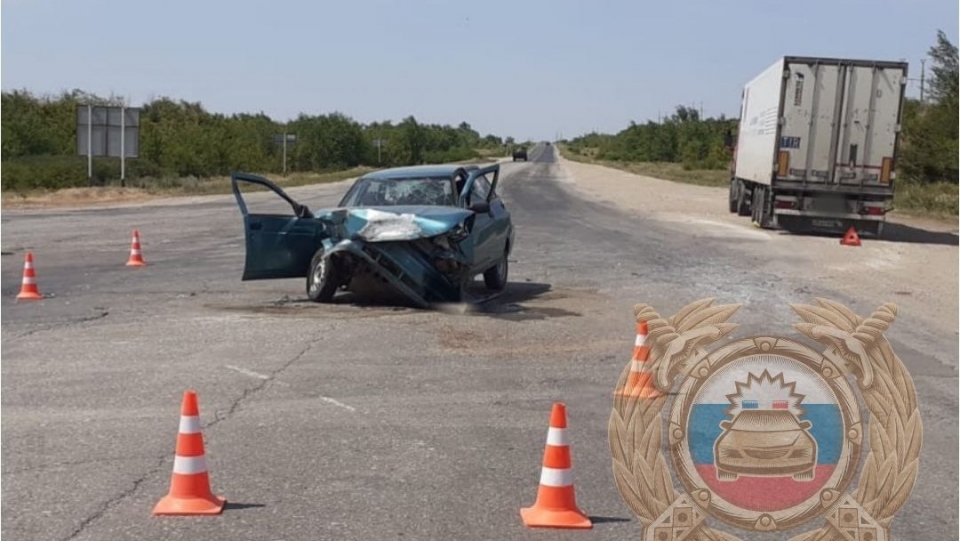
(367, 422)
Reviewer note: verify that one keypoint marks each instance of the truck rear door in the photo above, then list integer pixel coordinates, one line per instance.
(840, 122)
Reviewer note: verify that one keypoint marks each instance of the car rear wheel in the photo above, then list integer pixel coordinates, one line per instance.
(321, 280)
(495, 278)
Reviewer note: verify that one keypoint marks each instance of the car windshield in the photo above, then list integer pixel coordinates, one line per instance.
(437, 191)
(765, 421)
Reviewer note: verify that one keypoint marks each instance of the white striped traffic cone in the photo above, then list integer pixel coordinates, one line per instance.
(556, 505)
(190, 492)
(28, 286)
(136, 256)
(640, 379)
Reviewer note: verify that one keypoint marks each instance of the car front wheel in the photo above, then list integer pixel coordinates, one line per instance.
(495, 278)
(321, 280)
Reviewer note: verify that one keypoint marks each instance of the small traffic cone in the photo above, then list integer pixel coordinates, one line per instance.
(640, 379)
(190, 492)
(28, 286)
(556, 505)
(851, 238)
(136, 257)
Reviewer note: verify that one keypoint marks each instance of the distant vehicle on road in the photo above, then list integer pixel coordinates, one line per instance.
(424, 232)
(817, 144)
(520, 153)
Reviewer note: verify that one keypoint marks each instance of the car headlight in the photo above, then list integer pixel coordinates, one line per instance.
(459, 233)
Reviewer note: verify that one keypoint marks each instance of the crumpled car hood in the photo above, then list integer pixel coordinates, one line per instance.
(391, 223)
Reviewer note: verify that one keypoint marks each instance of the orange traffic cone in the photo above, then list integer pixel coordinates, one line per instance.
(190, 486)
(851, 238)
(28, 287)
(556, 505)
(136, 257)
(640, 379)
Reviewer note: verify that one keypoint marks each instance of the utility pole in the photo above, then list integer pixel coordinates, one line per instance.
(923, 71)
(284, 150)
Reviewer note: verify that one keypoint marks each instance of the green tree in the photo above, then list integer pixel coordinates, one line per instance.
(929, 143)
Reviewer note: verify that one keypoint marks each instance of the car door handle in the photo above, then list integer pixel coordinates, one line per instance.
(256, 226)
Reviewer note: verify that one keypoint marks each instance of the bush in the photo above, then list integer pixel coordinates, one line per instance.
(181, 139)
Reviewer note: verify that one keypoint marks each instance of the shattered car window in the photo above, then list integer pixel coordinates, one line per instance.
(390, 192)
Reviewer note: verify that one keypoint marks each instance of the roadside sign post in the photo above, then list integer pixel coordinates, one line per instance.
(379, 144)
(283, 140)
(89, 146)
(104, 131)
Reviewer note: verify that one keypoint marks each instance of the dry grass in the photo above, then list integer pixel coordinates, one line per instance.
(145, 189)
(663, 170)
(150, 188)
(937, 200)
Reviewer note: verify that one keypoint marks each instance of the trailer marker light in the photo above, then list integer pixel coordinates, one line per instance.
(783, 163)
(885, 171)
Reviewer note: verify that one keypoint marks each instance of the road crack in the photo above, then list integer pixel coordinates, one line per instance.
(251, 391)
(234, 406)
(115, 500)
(103, 312)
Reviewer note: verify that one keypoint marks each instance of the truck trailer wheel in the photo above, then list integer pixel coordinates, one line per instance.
(759, 207)
(743, 206)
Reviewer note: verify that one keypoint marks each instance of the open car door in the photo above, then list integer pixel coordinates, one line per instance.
(277, 245)
(489, 227)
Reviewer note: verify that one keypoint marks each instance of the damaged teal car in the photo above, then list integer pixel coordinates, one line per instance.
(422, 232)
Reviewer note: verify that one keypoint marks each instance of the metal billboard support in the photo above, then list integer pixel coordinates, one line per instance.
(123, 135)
(89, 145)
(379, 144)
(108, 123)
(283, 140)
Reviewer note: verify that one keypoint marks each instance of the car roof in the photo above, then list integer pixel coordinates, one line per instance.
(441, 170)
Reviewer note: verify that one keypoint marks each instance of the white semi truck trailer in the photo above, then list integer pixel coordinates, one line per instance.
(816, 147)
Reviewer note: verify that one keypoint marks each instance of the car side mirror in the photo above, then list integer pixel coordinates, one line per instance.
(725, 425)
(480, 207)
(805, 425)
(303, 211)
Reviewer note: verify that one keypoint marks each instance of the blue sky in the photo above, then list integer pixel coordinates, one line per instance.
(529, 69)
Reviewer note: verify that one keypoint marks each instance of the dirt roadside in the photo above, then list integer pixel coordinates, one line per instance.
(917, 268)
(90, 198)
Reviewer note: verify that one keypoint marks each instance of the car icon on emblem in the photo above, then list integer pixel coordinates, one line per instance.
(765, 443)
